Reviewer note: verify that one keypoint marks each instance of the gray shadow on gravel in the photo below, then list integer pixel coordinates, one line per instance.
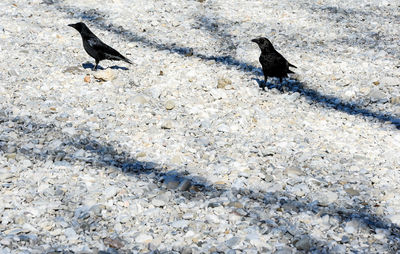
(313, 96)
(97, 19)
(216, 29)
(96, 153)
(88, 65)
(81, 147)
(365, 39)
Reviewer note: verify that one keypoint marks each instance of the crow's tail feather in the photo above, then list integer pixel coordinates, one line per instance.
(127, 60)
(291, 65)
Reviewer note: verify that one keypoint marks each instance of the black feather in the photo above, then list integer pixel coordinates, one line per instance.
(95, 47)
(272, 62)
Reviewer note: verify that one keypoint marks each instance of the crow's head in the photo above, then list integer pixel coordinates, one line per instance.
(264, 44)
(80, 26)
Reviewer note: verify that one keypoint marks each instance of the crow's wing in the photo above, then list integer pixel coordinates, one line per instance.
(108, 52)
(274, 63)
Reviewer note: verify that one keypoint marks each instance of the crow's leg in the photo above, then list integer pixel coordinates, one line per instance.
(265, 79)
(263, 86)
(97, 63)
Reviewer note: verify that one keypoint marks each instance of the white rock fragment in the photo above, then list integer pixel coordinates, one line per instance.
(104, 75)
(70, 234)
(143, 238)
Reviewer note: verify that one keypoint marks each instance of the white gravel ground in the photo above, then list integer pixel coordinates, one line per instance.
(182, 152)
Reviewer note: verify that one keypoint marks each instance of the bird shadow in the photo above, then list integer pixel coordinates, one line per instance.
(88, 65)
(116, 67)
(281, 87)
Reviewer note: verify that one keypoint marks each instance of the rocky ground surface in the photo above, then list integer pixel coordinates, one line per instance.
(182, 152)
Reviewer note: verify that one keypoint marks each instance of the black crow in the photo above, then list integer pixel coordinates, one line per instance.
(273, 64)
(95, 47)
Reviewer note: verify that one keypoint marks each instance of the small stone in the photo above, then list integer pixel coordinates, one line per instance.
(218, 94)
(5, 241)
(327, 198)
(191, 75)
(184, 185)
(141, 154)
(55, 144)
(293, 171)
(26, 163)
(203, 141)
(180, 223)
(172, 183)
(381, 234)
(4, 176)
(158, 202)
(300, 189)
(232, 242)
(104, 75)
(115, 243)
(352, 192)
(395, 100)
(241, 212)
(124, 218)
(390, 81)
(170, 104)
(186, 250)
(345, 239)
(222, 82)
(293, 97)
(235, 204)
(139, 99)
(177, 159)
(214, 204)
(349, 93)
(304, 244)
(167, 125)
(143, 238)
(377, 95)
(70, 234)
(376, 83)
(268, 178)
(189, 52)
(188, 216)
(338, 249)
(212, 218)
(110, 192)
(73, 70)
(28, 237)
(29, 228)
(223, 128)
(284, 250)
(86, 79)
(394, 218)
(350, 228)
(69, 130)
(11, 155)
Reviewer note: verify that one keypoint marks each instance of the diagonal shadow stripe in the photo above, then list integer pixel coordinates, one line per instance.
(105, 155)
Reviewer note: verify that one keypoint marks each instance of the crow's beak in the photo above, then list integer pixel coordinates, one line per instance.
(72, 25)
(255, 40)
